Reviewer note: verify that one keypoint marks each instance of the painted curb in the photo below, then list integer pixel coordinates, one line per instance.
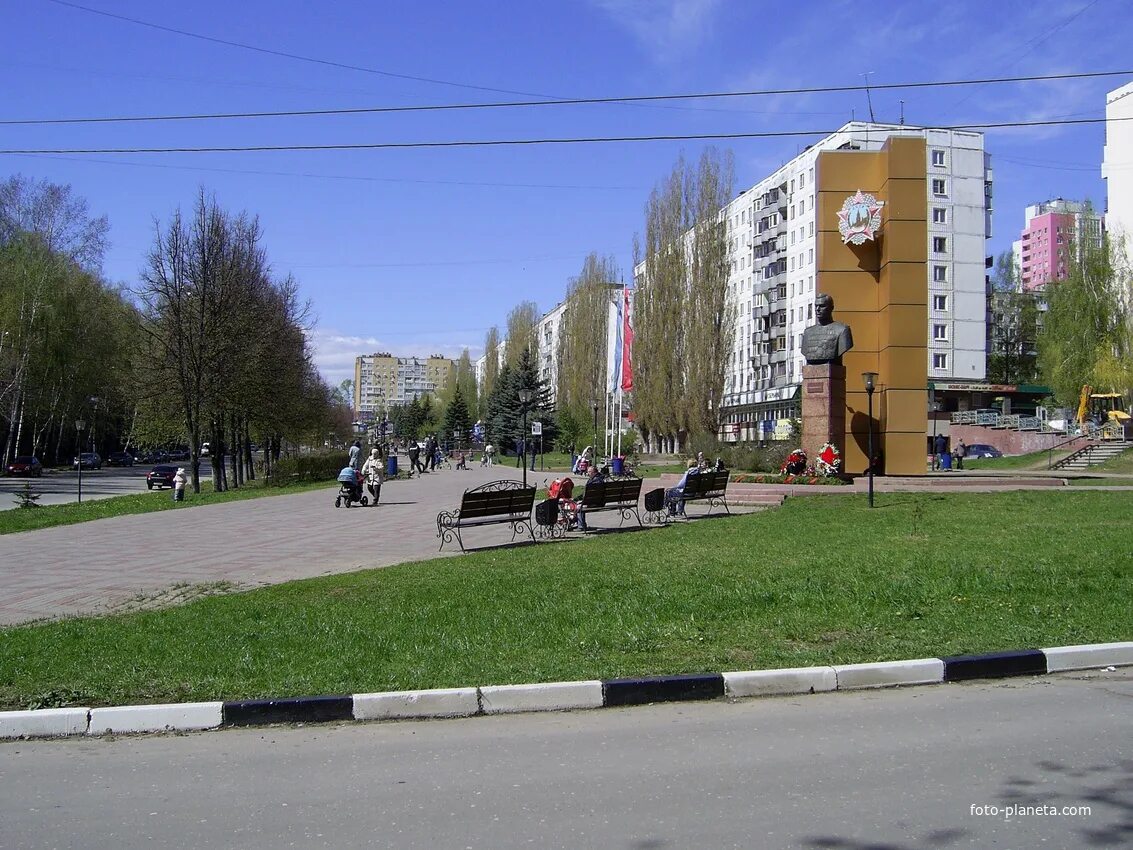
(554, 696)
(558, 696)
(692, 686)
(886, 674)
(395, 705)
(1063, 658)
(188, 716)
(792, 680)
(995, 665)
(257, 712)
(43, 722)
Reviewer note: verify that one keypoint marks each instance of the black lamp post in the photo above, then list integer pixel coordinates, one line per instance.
(594, 405)
(869, 378)
(524, 398)
(80, 426)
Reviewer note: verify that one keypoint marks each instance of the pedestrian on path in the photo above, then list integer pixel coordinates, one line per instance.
(415, 458)
(356, 455)
(958, 454)
(940, 446)
(489, 454)
(179, 481)
(372, 472)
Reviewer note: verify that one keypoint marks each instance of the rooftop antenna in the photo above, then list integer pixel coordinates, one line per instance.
(902, 112)
(868, 99)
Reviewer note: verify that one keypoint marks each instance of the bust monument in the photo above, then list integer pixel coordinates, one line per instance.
(828, 340)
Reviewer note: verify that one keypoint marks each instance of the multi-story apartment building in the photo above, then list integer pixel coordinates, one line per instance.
(771, 232)
(1117, 164)
(382, 380)
(1051, 229)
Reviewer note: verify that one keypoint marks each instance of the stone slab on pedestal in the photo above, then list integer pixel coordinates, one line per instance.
(823, 407)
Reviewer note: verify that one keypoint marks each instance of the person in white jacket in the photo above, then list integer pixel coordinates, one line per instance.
(372, 471)
(180, 478)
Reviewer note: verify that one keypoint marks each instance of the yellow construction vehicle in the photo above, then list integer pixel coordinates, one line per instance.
(1103, 408)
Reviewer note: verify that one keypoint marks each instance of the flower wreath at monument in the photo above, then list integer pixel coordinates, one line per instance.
(795, 464)
(829, 460)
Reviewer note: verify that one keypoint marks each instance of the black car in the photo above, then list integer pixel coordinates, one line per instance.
(160, 476)
(88, 460)
(981, 450)
(119, 459)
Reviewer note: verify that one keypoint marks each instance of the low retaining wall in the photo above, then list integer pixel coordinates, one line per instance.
(1012, 442)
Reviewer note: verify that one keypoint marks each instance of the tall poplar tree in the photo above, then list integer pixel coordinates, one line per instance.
(522, 322)
(582, 336)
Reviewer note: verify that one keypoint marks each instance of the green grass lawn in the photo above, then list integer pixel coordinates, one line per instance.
(821, 580)
(1033, 460)
(46, 516)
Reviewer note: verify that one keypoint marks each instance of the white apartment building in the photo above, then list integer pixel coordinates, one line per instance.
(1117, 164)
(772, 243)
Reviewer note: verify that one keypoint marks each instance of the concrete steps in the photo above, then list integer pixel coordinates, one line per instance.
(1092, 455)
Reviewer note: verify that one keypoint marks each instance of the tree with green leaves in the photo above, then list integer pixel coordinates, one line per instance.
(685, 321)
(491, 368)
(582, 336)
(1087, 329)
(458, 421)
(1014, 323)
(522, 322)
(505, 411)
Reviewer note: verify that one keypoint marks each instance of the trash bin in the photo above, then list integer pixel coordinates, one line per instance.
(391, 466)
(946, 460)
(618, 464)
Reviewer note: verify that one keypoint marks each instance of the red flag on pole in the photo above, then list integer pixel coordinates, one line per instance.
(627, 344)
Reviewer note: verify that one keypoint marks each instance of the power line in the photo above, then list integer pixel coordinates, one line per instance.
(577, 101)
(285, 55)
(485, 143)
(348, 177)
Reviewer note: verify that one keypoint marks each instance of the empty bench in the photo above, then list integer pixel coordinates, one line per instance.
(612, 495)
(495, 503)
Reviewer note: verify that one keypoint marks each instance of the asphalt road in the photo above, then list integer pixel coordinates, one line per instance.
(57, 487)
(884, 770)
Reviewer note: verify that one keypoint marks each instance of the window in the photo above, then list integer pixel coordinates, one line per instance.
(940, 331)
(792, 210)
(940, 244)
(940, 302)
(939, 215)
(938, 157)
(802, 180)
(940, 274)
(940, 361)
(792, 185)
(810, 256)
(810, 229)
(939, 187)
(810, 311)
(802, 207)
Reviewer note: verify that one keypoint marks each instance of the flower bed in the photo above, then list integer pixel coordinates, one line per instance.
(788, 478)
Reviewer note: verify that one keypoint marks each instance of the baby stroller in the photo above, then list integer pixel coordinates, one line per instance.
(349, 493)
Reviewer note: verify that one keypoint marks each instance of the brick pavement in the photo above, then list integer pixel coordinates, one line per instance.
(90, 567)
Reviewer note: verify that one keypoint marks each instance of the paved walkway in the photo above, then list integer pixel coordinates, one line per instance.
(96, 566)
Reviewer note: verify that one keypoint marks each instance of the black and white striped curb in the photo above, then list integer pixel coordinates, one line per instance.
(558, 696)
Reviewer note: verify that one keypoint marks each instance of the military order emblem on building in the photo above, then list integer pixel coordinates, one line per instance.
(860, 218)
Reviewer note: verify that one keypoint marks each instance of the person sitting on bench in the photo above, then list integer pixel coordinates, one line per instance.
(674, 496)
(594, 476)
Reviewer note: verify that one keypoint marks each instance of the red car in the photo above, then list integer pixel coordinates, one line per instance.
(25, 465)
(160, 476)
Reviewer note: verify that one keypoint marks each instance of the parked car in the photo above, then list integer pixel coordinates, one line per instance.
(89, 460)
(160, 476)
(982, 450)
(119, 459)
(25, 465)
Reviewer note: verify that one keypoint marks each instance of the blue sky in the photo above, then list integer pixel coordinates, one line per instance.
(420, 251)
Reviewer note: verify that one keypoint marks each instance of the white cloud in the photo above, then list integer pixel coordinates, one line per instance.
(334, 352)
(665, 27)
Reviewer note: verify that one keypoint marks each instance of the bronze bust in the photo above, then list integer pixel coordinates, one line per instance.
(828, 340)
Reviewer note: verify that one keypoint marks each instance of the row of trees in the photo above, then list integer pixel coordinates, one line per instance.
(207, 347)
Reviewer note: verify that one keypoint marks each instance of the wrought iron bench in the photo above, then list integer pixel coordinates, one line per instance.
(495, 503)
(619, 494)
(706, 486)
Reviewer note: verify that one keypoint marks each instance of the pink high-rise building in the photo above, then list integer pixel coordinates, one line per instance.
(1052, 228)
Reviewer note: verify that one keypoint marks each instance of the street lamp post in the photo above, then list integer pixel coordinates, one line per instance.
(524, 398)
(80, 426)
(870, 378)
(594, 405)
